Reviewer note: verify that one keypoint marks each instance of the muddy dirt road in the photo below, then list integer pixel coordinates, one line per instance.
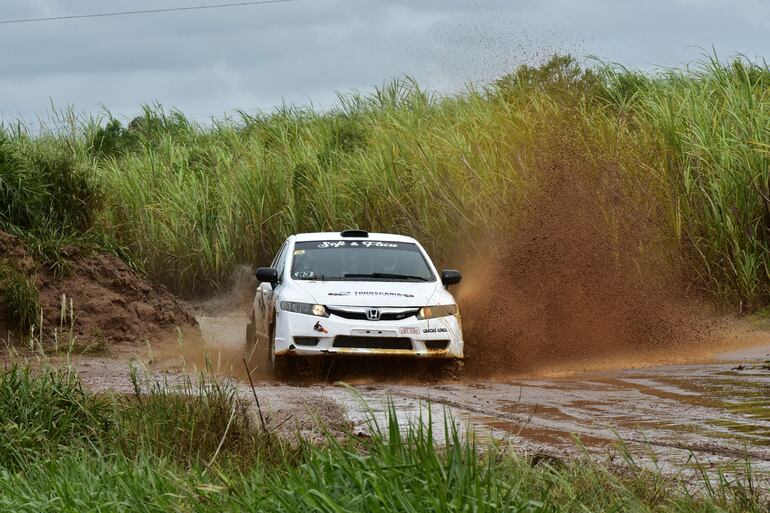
(716, 411)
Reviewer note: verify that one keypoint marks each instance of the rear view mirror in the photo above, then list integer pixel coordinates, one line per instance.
(450, 277)
(267, 275)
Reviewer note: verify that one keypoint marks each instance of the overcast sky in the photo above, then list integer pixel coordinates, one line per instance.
(210, 62)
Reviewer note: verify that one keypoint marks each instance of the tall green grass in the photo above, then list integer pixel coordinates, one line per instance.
(187, 202)
(40, 414)
(191, 422)
(20, 297)
(199, 200)
(65, 449)
(712, 125)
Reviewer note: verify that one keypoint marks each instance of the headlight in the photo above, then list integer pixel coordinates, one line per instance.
(304, 308)
(431, 312)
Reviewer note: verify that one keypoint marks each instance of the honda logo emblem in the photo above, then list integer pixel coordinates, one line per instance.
(373, 314)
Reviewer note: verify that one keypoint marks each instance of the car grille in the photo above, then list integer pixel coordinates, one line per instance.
(373, 342)
(361, 315)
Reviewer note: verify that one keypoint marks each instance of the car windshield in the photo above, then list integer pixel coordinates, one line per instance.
(358, 260)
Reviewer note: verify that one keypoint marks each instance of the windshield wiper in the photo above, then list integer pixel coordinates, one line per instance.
(386, 276)
(319, 277)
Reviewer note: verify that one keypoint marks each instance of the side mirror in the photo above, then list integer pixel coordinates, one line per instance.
(267, 275)
(450, 277)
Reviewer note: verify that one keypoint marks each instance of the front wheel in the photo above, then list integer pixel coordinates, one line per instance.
(251, 331)
(450, 370)
(258, 348)
(279, 364)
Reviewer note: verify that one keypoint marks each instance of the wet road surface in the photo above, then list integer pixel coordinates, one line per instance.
(716, 413)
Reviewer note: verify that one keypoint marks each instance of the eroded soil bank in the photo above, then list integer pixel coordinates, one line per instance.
(94, 301)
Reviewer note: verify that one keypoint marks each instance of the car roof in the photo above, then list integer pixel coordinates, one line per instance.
(304, 237)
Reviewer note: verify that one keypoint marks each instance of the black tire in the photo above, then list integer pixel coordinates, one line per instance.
(308, 366)
(282, 366)
(451, 370)
(279, 364)
(257, 348)
(251, 331)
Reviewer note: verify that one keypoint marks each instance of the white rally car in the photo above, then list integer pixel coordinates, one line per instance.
(357, 293)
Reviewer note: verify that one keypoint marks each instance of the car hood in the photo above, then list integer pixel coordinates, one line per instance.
(369, 293)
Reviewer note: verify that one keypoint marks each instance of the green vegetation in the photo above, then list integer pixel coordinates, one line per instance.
(44, 189)
(713, 149)
(65, 449)
(187, 202)
(40, 415)
(19, 296)
(45, 414)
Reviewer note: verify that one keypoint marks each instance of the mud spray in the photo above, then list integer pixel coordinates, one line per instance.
(219, 342)
(584, 278)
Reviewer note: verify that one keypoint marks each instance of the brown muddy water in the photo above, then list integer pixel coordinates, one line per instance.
(712, 409)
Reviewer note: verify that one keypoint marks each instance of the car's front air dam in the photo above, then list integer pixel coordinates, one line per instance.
(290, 326)
(363, 352)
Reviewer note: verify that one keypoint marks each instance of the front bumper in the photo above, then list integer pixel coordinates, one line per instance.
(307, 335)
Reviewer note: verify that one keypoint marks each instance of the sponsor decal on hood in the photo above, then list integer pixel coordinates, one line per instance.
(395, 294)
(371, 293)
(377, 293)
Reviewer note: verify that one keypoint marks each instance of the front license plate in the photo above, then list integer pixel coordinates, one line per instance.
(373, 333)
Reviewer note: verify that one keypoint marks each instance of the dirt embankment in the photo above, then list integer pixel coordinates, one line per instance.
(111, 303)
(584, 278)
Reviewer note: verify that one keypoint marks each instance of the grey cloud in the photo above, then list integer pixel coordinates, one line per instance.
(213, 61)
